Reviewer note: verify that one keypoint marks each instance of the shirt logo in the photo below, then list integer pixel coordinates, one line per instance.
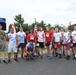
(47, 35)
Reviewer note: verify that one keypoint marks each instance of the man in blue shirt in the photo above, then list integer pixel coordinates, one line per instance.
(30, 50)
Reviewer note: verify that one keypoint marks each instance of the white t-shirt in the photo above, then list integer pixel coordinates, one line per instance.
(12, 38)
(41, 36)
(74, 35)
(66, 37)
(57, 36)
(21, 37)
(62, 33)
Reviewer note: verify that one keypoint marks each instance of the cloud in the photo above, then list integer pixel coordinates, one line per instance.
(51, 11)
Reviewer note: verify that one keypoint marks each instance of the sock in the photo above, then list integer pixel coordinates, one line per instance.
(75, 55)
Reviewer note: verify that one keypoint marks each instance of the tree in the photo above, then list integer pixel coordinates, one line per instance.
(19, 21)
(71, 27)
(57, 26)
(25, 27)
(9, 27)
(41, 24)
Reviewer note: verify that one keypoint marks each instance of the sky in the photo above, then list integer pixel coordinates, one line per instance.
(50, 11)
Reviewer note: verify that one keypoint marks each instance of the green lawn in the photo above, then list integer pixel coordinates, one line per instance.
(6, 52)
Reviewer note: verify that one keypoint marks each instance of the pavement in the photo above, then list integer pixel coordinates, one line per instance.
(39, 66)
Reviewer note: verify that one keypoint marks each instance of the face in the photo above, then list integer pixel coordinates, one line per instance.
(56, 29)
(74, 27)
(21, 29)
(52, 30)
(12, 30)
(0, 27)
(47, 28)
(31, 42)
(66, 29)
(40, 29)
(62, 29)
(30, 31)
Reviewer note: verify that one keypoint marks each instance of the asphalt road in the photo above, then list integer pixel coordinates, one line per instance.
(39, 66)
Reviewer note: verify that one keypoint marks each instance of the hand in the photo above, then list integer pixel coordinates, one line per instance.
(16, 45)
(51, 43)
(30, 53)
(64, 42)
(44, 43)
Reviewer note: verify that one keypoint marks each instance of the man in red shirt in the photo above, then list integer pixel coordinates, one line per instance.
(31, 36)
(48, 40)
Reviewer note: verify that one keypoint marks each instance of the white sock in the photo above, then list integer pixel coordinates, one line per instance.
(75, 55)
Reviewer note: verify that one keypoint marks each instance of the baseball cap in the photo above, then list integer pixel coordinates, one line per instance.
(31, 39)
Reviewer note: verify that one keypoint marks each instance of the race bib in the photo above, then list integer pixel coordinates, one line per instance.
(47, 35)
(32, 37)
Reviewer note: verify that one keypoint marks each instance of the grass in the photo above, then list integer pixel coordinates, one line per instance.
(6, 52)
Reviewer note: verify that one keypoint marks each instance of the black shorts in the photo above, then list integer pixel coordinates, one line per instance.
(48, 44)
(74, 44)
(41, 44)
(22, 45)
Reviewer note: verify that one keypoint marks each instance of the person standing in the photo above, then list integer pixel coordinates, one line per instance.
(12, 45)
(2, 43)
(31, 35)
(63, 46)
(41, 39)
(67, 42)
(48, 41)
(21, 40)
(74, 42)
(57, 39)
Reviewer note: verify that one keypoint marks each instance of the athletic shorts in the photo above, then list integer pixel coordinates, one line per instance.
(12, 48)
(68, 46)
(74, 44)
(41, 44)
(58, 44)
(26, 54)
(22, 45)
(48, 44)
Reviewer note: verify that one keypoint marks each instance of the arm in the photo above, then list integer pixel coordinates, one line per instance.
(17, 41)
(26, 49)
(52, 37)
(34, 49)
(73, 39)
(45, 37)
(7, 37)
(4, 36)
(69, 37)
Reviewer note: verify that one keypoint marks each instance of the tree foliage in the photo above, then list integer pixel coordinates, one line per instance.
(19, 21)
(71, 27)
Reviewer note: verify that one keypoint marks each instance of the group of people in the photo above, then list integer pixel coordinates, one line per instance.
(58, 43)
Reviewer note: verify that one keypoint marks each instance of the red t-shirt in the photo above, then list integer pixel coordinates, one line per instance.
(48, 36)
(29, 36)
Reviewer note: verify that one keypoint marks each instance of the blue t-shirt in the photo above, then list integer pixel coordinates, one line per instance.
(21, 37)
(30, 47)
(12, 38)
